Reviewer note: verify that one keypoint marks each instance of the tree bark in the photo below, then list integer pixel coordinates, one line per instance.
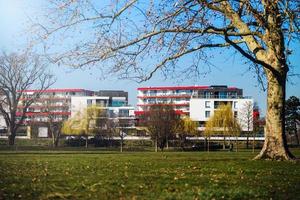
(11, 136)
(11, 140)
(208, 144)
(247, 143)
(275, 145)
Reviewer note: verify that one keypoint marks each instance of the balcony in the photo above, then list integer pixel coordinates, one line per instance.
(195, 96)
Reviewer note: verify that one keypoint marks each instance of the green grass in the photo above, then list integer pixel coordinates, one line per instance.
(145, 175)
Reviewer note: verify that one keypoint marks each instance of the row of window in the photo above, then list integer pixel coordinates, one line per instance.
(163, 92)
(208, 114)
(218, 103)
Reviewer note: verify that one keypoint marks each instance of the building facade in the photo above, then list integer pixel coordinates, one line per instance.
(197, 102)
(61, 104)
(54, 102)
(201, 109)
(117, 110)
(180, 96)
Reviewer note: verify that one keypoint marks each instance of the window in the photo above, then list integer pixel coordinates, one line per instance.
(101, 102)
(207, 114)
(235, 114)
(207, 104)
(206, 95)
(89, 102)
(223, 95)
(123, 113)
(235, 104)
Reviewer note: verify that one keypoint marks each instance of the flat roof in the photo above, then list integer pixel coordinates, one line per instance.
(195, 87)
(61, 90)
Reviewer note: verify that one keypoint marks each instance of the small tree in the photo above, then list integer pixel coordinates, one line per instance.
(247, 119)
(292, 115)
(20, 72)
(185, 127)
(54, 124)
(161, 121)
(115, 127)
(223, 122)
(84, 123)
(256, 124)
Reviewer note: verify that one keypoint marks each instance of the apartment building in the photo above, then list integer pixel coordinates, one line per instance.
(115, 108)
(180, 96)
(61, 104)
(55, 102)
(197, 102)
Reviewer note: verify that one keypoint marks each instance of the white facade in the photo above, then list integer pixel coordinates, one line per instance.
(2, 122)
(78, 104)
(202, 109)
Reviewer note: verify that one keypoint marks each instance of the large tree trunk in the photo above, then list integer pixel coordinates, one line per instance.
(275, 145)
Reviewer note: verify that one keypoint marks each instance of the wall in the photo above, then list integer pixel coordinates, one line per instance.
(198, 108)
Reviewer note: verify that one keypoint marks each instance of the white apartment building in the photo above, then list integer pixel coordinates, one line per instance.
(197, 102)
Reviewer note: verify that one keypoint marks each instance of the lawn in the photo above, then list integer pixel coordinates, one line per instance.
(145, 175)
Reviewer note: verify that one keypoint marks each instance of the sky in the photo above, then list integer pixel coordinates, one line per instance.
(16, 16)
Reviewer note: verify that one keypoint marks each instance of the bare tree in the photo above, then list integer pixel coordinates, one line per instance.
(130, 32)
(115, 129)
(161, 121)
(257, 124)
(53, 120)
(17, 74)
(247, 119)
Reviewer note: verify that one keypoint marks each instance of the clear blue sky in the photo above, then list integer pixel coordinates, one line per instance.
(229, 70)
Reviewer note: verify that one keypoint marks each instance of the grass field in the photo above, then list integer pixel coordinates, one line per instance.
(145, 175)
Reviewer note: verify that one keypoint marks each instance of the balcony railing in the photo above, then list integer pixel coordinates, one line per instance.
(195, 96)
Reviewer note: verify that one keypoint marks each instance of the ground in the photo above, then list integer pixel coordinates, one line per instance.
(145, 175)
